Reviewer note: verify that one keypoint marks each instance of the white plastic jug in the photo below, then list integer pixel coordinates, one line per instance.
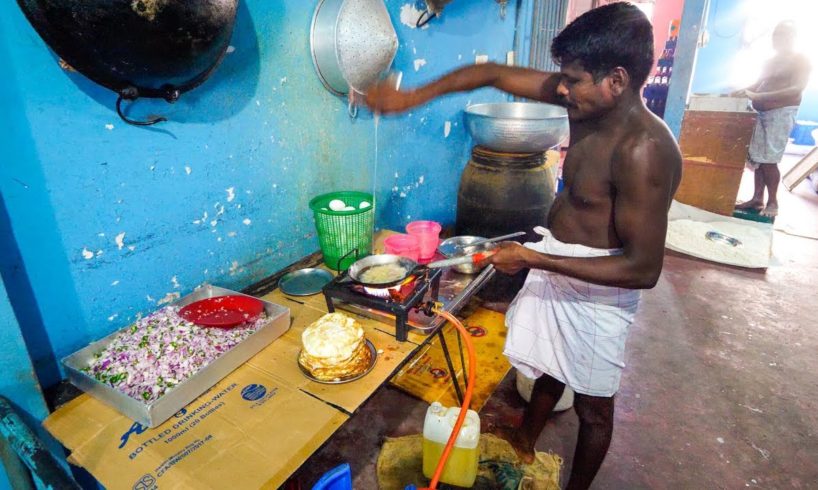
(461, 467)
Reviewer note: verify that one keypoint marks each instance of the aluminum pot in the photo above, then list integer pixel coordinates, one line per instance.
(353, 43)
(517, 127)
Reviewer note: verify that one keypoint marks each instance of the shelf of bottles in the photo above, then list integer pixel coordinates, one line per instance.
(655, 91)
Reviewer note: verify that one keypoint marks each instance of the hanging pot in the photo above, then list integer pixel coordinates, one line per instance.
(137, 48)
(353, 43)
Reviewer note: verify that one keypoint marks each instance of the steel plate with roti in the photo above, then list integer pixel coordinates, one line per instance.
(335, 350)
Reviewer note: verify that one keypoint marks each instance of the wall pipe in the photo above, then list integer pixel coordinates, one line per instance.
(28, 447)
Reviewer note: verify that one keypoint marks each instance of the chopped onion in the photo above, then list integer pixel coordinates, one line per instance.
(162, 350)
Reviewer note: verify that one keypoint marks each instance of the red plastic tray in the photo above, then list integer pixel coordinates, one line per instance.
(223, 311)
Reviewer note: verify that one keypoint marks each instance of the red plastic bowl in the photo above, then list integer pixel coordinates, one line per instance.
(223, 311)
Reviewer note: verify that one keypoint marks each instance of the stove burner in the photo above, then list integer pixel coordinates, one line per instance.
(378, 293)
(397, 301)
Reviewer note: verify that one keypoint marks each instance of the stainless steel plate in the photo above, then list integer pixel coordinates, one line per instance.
(373, 357)
(715, 236)
(304, 282)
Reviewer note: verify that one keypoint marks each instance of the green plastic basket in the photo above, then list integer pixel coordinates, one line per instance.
(345, 236)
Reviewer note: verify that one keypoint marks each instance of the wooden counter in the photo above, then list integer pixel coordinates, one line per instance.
(714, 150)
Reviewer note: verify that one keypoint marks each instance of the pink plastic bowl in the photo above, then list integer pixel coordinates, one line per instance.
(428, 234)
(404, 245)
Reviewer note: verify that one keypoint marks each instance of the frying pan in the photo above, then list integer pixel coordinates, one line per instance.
(409, 266)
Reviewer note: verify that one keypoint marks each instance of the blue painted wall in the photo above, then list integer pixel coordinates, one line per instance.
(727, 19)
(106, 221)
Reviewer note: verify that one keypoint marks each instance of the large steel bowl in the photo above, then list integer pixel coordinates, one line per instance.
(517, 127)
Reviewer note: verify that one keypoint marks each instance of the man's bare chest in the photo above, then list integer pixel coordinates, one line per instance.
(587, 174)
(779, 73)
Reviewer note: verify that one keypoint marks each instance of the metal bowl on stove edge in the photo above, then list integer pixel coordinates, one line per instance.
(358, 267)
(454, 247)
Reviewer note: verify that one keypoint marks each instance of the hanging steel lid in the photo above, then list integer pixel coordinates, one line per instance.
(353, 42)
(137, 48)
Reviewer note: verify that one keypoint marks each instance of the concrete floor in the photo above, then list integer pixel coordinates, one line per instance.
(720, 390)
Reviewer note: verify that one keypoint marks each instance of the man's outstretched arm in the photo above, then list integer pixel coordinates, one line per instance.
(522, 82)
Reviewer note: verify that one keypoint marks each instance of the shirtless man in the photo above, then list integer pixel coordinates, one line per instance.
(776, 96)
(607, 227)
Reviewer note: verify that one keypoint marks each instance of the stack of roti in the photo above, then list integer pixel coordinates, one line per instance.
(334, 348)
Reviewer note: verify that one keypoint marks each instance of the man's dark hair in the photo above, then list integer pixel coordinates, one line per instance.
(601, 39)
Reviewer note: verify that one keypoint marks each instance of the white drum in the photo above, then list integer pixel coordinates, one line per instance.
(525, 386)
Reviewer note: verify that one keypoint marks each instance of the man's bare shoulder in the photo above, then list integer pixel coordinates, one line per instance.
(788, 61)
(648, 145)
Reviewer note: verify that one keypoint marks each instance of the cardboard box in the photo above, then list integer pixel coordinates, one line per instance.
(251, 430)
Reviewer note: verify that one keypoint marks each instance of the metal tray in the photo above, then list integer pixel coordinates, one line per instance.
(304, 282)
(160, 410)
(373, 359)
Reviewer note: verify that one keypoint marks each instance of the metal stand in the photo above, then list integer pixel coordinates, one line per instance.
(449, 362)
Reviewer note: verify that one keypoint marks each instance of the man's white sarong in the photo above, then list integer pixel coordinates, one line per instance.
(570, 329)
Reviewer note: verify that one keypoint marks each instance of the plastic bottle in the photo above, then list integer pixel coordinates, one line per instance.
(461, 468)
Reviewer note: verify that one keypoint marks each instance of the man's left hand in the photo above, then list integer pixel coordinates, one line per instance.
(511, 258)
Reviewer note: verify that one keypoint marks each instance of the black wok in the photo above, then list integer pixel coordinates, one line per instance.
(137, 48)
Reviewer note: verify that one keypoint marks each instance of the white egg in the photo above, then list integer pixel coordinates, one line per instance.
(363, 205)
(348, 208)
(337, 205)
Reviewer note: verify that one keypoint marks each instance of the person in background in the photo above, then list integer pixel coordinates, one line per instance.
(606, 236)
(776, 96)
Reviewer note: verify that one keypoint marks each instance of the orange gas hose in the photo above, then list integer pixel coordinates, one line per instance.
(466, 398)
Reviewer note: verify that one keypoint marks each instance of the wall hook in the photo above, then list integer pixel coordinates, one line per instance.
(131, 93)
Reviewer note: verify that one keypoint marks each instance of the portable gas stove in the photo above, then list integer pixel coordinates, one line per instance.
(410, 305)
(399, 302)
